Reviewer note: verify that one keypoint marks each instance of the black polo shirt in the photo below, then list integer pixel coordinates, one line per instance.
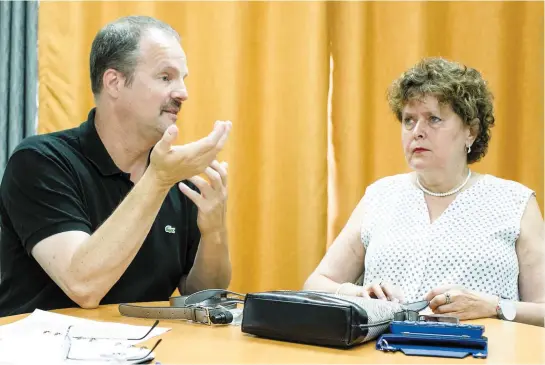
(66, 181)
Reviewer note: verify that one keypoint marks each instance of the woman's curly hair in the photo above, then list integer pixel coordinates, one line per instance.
(451, 83)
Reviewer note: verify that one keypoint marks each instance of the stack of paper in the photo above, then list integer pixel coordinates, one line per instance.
(42, 338)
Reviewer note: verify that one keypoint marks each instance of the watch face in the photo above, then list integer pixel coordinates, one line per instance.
(508, 309)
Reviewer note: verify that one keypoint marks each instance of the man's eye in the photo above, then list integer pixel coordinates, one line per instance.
(435, 119)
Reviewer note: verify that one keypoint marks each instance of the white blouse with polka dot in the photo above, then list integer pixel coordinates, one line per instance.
(471, 243)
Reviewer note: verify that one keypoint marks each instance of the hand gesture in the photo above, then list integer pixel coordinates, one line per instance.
(212, 199)
(171, 164)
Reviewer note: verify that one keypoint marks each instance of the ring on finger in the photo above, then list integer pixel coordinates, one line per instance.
(447, 298)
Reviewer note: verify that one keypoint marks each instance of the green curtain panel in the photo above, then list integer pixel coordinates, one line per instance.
(18, 74)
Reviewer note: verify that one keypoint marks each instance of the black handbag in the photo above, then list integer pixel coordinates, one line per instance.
(318, 318)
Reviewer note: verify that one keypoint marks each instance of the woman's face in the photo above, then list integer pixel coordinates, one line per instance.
(433, 136)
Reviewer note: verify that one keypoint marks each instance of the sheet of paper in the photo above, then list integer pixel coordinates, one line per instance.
(41, 338)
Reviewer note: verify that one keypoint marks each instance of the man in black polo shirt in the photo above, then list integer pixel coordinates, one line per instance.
(110, 211)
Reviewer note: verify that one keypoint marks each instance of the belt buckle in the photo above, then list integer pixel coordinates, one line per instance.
(206, 315)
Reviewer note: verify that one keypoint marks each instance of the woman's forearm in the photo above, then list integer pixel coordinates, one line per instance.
(530, 313)
(320, 282)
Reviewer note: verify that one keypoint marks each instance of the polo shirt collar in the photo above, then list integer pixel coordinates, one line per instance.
(94, 149)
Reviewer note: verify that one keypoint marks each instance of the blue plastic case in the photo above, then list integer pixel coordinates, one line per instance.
(439, 339)
(439, 328)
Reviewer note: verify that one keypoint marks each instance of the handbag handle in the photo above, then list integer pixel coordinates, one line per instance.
(207, 294)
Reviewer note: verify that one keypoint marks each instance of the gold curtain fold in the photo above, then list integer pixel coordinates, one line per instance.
(265, 66)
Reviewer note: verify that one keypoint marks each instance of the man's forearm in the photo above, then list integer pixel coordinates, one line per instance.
(212, 266)
(98, 263)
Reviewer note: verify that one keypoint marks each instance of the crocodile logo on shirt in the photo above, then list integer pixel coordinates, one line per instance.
(170, 229)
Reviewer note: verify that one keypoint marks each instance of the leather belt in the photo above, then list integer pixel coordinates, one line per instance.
(195, 314)
(213, 309)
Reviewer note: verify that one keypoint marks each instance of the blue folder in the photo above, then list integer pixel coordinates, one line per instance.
(438, 339)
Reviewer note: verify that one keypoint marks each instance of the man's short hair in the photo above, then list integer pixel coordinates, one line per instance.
(116, 46)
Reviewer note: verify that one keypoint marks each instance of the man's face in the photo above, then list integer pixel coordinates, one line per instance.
(157, 92)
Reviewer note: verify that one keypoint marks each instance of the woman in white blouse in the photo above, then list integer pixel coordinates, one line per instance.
(471, 244)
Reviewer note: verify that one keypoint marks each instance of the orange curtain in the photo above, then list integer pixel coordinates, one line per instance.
(266, 67)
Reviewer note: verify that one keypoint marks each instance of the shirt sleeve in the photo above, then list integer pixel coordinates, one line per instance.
(194, 234)
(41, 197)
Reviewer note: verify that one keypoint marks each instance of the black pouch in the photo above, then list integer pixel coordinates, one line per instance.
(318, 318)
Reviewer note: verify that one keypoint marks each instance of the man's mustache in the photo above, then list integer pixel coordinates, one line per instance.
(173, 106)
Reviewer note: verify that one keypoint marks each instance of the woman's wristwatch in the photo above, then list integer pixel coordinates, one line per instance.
(506, 309)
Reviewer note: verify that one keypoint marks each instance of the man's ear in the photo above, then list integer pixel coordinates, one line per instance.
(112, 81)
(473, 130)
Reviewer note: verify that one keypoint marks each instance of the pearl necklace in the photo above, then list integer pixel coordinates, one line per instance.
(448, 192)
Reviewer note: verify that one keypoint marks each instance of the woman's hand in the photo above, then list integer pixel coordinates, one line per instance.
(382, 290)
(456, 300)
